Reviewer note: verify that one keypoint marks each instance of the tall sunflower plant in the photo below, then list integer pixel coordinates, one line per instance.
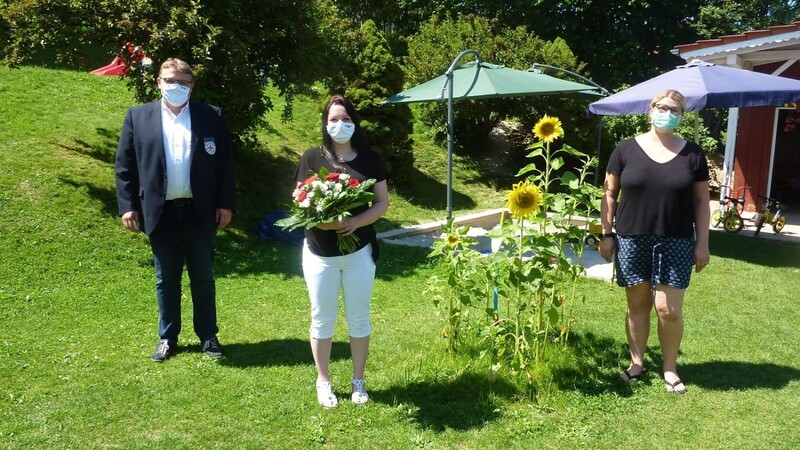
(466, 279)
(532, 278)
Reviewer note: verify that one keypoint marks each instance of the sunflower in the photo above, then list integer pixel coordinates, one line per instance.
(524, 200)
(548, 129)
(452, 239)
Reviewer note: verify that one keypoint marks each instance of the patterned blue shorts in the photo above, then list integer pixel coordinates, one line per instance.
(658, 259)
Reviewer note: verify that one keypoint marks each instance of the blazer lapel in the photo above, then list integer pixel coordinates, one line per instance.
(196, 145)
(196, 125)
(154, 123)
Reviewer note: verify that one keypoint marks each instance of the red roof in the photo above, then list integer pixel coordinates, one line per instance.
(746, 36)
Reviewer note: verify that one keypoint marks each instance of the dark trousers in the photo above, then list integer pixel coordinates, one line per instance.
(178, 239)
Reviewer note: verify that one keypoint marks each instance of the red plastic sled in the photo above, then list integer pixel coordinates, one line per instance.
(117, 67)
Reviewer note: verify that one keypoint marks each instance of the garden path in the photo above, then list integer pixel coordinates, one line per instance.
(596, 267)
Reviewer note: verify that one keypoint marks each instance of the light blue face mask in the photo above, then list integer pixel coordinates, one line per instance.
(665, 121)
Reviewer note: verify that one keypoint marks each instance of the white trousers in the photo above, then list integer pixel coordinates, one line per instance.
(324, 275)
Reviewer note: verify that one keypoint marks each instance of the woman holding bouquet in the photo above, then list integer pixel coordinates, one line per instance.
(326, 268)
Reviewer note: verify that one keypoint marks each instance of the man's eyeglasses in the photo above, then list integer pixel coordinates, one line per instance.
(177, 81)
(665, 108)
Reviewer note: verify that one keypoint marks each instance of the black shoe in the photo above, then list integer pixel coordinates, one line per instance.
(212, 348)
(164, 350)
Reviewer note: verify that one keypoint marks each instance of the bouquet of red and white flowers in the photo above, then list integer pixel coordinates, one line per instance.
(326, 197)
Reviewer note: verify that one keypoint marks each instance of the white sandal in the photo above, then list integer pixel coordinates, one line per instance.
(359, 395)
(325, 395)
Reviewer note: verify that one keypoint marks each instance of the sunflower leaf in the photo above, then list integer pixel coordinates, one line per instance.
(529, 168)
(536, 145)
(557, 163)
(572, 150)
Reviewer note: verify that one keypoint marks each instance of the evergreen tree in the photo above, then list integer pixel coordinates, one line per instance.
(368, 73)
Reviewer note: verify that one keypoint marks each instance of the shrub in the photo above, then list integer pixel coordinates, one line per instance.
(367, 74)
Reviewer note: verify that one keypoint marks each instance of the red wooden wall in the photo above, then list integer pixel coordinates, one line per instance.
(754, 143)
(753, 151)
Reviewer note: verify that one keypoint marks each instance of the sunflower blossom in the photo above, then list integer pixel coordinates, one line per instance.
(548, 129)
(524, 200)
(453, 240)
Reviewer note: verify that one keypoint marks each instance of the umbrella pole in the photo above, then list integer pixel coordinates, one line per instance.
(450, 146)
(599, 142)
(730, 152)
(697, 127)
(448, 81)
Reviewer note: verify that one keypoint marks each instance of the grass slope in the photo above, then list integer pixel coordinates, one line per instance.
(78, 321)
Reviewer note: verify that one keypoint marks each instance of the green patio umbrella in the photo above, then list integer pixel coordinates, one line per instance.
(477, 80)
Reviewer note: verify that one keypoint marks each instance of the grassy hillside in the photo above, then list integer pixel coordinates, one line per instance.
(59, 132)
(78, 321)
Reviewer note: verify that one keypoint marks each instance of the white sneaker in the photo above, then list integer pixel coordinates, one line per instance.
(325, 395)
(359, 395)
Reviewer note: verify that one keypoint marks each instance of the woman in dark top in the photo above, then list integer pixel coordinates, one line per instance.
(325, 268)
(656, 197)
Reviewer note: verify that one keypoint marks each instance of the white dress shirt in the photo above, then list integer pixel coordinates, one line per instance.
(177, 131)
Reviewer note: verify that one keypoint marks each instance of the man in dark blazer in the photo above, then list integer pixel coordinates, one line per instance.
(175, 182)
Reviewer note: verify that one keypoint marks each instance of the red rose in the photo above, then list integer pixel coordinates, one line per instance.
(310, 180)
(332, 176)
(301, 196)
(353, 182)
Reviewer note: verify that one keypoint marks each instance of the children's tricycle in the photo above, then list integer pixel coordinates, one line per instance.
(593, 233)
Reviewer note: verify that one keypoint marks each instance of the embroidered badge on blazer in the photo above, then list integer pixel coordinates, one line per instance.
(210, 145)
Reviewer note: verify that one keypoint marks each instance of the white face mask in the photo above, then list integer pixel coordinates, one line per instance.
(341, 132)
(175, 94)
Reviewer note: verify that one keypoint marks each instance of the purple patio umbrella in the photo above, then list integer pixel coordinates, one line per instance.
(704, 85)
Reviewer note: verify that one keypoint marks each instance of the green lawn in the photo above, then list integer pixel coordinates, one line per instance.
(78, 321)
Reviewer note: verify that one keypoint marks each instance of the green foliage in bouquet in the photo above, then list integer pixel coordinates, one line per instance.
(327, 197)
